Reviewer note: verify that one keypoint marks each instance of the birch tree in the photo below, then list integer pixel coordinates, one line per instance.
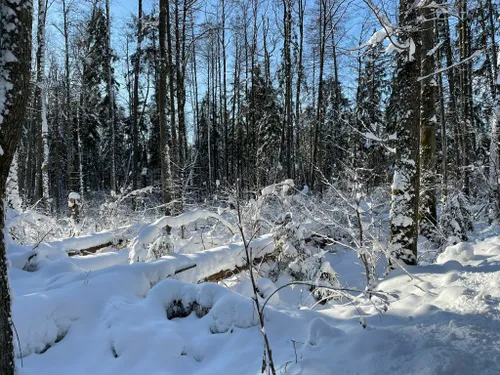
(15, 62)
(41, 100)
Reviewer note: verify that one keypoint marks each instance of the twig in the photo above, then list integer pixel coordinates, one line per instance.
(39, 242)
(267, 346)
(18, 343)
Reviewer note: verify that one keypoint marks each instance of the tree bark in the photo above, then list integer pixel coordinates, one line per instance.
(111, 97)
(15, 42)
(452, 107)
(428, 122)
(300, 77)
(135, 121)
(288, 124)
(166, 174)
(405, 187)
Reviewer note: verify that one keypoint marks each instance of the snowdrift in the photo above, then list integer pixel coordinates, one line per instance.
(93, 315)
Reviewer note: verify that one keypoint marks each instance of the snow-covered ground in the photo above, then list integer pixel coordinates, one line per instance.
(100, 315)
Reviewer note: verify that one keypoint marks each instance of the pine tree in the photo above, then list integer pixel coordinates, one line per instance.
(263, 109)
(373, 86)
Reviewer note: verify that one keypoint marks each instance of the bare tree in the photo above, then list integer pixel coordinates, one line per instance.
(135, 120)
(111, 97)
(166, 173)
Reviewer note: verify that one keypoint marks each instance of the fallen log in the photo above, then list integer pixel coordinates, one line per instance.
(95, 241)
(92, 250)
(215, 263)
(224, 274)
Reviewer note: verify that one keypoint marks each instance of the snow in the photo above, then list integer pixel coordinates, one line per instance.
(74, 195)
(98, 314)
(379, 36)
(272, 189)
(151, 232)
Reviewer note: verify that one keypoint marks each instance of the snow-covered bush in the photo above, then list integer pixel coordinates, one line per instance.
(456, 218)
(298, 260)
(161, 246)
(29, 226)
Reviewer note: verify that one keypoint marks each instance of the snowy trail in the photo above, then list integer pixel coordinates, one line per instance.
(114, 321)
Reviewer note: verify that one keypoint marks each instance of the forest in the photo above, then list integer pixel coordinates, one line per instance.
(251, 186)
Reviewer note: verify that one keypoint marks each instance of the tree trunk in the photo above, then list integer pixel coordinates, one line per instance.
(15, 42)
(452, 111)
(466, 91)
(135, 122)
(224, 91)
(166, 173)
(428, 122)
(173, 153)
(41, 112)
(319, 108)
(300, 74)
(287, 26)
(405, 187)
(442, 118)
(111, 97)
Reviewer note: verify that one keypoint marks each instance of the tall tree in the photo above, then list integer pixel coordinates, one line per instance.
(41, 100)
(135, 121)
(428, 122)
(166, 173)
(111, 97)
(495, 147)
(287, 62)
(405, 186)
(15, 62)
(69, 123)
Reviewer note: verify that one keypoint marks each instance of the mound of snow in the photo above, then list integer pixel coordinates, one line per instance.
(462, 252)
(320, 332)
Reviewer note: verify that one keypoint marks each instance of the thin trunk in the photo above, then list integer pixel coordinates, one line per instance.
(41, 91)
(135, 121)
(452, 112)
(287, 25)
(111, 97)
(166, 174)
(171, 96)
(442, 120)
(57, 145)
(465, 77)
(495, 132)
(67, 112)
(300, 73)
(224, 89)
(319, 104)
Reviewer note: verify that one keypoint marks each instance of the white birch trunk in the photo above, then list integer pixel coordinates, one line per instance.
(41, 82)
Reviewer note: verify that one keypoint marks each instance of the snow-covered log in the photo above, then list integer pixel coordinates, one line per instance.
(96, 241)
(213, 264)
(149, 233)
(78, 294)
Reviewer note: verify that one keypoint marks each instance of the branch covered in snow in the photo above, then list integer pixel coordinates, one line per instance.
(149, 233)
